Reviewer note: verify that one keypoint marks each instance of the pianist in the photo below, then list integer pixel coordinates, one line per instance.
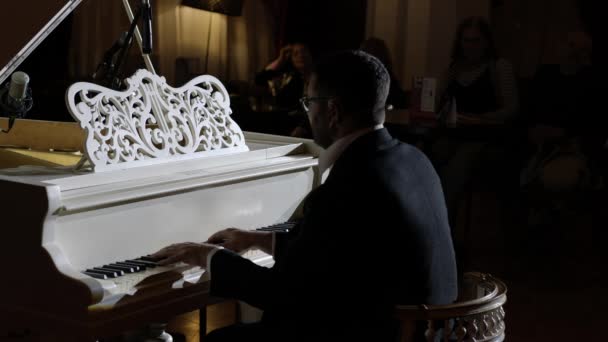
(373, 235)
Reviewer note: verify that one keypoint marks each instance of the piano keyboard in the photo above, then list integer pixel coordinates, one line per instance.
(129, 277)
(281, 227)
(147, 265)
(117, 269)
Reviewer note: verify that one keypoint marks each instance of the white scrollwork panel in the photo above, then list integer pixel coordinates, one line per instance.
(152, 122)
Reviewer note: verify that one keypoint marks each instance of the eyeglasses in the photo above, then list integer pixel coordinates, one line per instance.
(306, 101)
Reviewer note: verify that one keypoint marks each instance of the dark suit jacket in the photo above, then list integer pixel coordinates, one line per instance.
(374, 234)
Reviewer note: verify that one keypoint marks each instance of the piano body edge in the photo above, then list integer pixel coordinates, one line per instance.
(66, 224)
(35, 263)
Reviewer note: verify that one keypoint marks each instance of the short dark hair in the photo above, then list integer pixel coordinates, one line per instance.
(359, 80)
(377, 48)
(486, 32)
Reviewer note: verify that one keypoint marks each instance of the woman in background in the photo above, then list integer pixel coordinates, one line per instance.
(482, 84)
(484, 89)
(287, 76)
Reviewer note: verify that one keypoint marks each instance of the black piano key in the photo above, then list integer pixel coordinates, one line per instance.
(149, 258)
(118, 272)
(280, 227)
(126, 269)
(153, 261)
(135, 267)
(96, 275)
(143, 262)
(110, 274)
(142, 266)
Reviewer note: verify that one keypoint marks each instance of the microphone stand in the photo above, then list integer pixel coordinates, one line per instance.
(115, 81)
(107, 64)
(116, 56)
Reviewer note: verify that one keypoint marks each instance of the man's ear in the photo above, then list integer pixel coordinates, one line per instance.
(335, 111)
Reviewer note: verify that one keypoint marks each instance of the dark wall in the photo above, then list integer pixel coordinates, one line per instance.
(326, 25)
(47, 67)
(20, 21)
(592, 17)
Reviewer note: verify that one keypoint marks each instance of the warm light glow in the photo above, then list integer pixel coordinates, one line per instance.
(194, 29)
(227, 7)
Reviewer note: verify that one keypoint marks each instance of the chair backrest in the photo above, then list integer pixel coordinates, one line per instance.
(477, 315)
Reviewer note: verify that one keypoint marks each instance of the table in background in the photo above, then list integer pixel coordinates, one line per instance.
(422, 129)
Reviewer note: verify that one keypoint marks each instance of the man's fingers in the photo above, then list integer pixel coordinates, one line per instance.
(169, 251)
(163, 253)
(216, 238)
(171, 259)
(231, 245)
(221, 236)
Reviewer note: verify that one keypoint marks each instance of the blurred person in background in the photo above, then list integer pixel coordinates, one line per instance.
(287, 76)
(562, 138)
(482, 84)
(484, 89)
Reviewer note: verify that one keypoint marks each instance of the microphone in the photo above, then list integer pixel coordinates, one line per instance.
(18, 87)
(146, 45)
(16, 98)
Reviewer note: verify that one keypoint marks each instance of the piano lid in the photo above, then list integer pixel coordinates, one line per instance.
(24, 25)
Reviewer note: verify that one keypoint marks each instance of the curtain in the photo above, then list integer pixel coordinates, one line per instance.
(230, 48)
(97, 24)
(389, 21)
(236, 48)
(278, 9)
(419, 33)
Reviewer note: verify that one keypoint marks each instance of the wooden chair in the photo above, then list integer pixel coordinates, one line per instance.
(477, 315)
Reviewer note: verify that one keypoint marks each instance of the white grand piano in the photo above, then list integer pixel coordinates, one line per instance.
(82, 202)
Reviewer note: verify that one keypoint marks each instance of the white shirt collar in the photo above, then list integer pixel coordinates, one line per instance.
(328, 157)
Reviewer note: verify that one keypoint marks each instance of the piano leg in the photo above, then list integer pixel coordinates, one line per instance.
(156, 333)
(202, 323)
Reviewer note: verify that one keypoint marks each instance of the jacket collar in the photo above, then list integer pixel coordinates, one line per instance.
(361, 147)
(328, 157)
